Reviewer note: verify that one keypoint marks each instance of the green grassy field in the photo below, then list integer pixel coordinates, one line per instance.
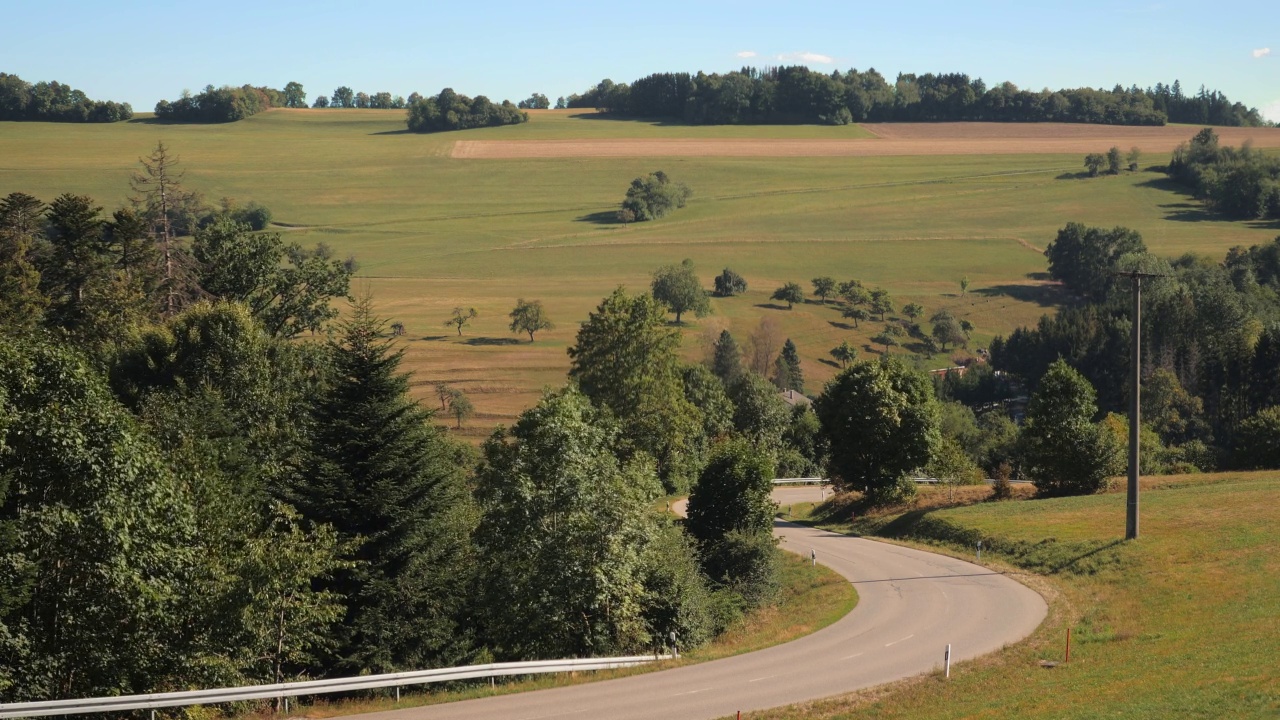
(1184, 622)
(432, 232)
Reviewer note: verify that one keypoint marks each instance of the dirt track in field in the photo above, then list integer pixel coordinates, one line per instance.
(891, 139)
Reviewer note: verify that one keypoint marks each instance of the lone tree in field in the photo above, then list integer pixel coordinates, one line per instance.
(678, 288)
(461, 318)
(913, 311)
(964, 284)
(654, 196)
(791, 293)
(824, 287)
(844, 353)
(529, 317)
(729, 283)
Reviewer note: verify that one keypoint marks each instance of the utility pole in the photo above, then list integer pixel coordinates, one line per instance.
(1135, 403)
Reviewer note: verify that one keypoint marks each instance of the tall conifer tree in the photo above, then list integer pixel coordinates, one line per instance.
(378, 470)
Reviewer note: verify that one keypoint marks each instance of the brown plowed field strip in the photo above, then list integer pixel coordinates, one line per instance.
(892, 139)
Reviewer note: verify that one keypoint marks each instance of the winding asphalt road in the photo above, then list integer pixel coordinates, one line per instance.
(911, 605)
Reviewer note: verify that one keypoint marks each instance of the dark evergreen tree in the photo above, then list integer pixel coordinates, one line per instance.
(727, 363)
(379, 471)
(787, 374)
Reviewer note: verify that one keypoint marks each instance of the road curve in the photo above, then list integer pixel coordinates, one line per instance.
(911, 605)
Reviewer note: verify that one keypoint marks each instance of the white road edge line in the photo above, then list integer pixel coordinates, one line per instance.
(895, 642)
(690, 692)
(850, 657)
(763, 678)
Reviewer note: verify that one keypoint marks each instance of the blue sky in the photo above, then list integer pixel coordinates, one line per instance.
(141, 52)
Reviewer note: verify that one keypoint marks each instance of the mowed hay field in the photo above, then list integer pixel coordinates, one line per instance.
(1182, 623)
(432, 231)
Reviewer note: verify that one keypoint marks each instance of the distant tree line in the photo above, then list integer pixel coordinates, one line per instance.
(219, 105)
(1241, 183)
(796, 94)
(451, 111)
(345, 97)
(54, 102)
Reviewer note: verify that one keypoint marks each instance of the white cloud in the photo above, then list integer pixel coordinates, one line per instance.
(1271, 111)
(747, 54)
(806, 57)
(1261, 52)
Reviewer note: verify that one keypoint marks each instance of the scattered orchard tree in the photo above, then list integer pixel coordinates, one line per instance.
(791, 293)
(677, 287)
(729, 283)
(824, 287)
(460, 407)
(844, 353)
(529, 317)
(461, 318)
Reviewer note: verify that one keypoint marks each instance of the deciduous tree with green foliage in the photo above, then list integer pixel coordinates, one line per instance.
(625, 358)
(791, 293)
(461, 318)
(655, 195)
(856, 314)
(881, 302)
(288, 288)
(562, 535)
(733, 493)
(677, 287)
(824, 287)
(844, 353)
(880, 420)
(1063, 451)
(529, 317)
(729, 283)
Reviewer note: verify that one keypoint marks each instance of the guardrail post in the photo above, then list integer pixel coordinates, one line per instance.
(947, 660)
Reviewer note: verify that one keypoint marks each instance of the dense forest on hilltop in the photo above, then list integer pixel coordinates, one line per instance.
(54, 102)
(796, 94)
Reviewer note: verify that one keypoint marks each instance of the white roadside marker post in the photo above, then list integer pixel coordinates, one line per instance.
(947, 659)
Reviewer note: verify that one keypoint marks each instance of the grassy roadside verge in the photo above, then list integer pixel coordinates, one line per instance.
(1184, 622)
(811, 599)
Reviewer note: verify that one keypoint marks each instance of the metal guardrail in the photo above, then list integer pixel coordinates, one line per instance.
(314, 687)
(801, 481)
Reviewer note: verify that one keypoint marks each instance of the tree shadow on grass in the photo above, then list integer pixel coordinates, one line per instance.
(832, 363)
(1042, 295)
(655, 121)
(842, 326)
(405, 131)
(434, 337)
(491, 341)
(772, 306)
(604, 217)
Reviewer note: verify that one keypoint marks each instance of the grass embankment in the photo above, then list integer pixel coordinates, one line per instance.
(1184, 622)
(811, 599)
(432, 232)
